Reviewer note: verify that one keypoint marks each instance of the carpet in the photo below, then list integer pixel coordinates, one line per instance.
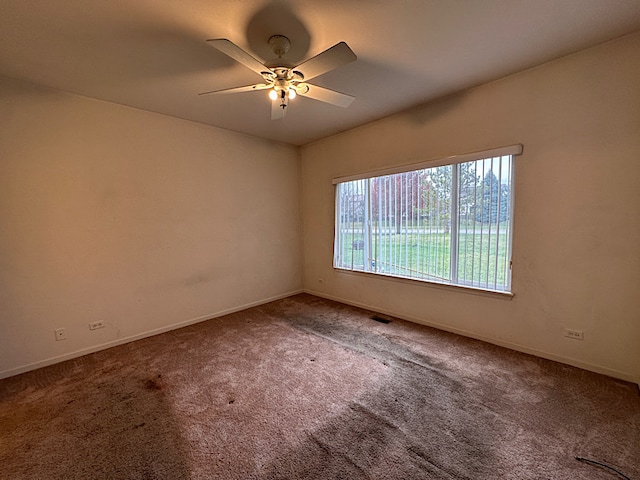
(306, 388)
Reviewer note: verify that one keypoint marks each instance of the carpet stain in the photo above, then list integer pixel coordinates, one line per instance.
(399, 416)
(154, 383)
(111, 428)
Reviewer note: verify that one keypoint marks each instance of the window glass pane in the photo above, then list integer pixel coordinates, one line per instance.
(447, 224)
(485, 223)
(349, 245)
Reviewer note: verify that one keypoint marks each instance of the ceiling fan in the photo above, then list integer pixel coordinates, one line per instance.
(283, 80)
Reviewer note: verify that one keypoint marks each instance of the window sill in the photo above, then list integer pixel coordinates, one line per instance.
(429, 283)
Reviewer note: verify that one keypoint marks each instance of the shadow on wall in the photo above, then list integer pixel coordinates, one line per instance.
(115, 427)
(428, 112)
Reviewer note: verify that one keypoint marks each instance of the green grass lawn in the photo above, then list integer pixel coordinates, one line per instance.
(427, 256)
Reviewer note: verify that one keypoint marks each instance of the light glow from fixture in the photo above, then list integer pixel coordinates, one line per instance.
(273, 95)
(292, 94)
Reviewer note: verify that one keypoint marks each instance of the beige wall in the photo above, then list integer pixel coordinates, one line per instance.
(577, 207)
(139, 220)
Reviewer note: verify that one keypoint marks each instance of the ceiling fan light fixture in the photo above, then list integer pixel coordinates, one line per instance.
(285, 81)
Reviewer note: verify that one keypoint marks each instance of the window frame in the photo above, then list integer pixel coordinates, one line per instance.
(455, 161)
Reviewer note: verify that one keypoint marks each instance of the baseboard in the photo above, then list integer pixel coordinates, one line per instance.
(139, 336)
(513, 346)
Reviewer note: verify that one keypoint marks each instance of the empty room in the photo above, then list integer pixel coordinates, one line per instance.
(320, 239)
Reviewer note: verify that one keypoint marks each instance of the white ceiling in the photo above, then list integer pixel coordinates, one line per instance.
(152, 54)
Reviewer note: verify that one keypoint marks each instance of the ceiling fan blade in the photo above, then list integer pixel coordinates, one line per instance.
(246, 88)
(239, 55)
(334, 57)
(327, 96)
(277, 111)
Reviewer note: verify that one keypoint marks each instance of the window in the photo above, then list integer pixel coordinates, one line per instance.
(447, 221)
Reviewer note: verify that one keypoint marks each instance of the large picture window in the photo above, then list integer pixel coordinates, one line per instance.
(448, 223)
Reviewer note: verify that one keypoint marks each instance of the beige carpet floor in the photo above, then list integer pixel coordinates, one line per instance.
(305, 388)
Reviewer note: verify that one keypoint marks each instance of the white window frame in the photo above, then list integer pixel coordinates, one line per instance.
(454, 162)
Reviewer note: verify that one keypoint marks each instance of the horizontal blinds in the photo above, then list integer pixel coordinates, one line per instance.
(465, 157)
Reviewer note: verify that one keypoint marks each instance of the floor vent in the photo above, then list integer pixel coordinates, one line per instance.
(380, 319)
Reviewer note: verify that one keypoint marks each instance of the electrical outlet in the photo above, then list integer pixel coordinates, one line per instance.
(60, 334)
(575, 334)
(96, 325)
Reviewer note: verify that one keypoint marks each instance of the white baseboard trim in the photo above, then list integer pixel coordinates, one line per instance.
(513, 346)
(114, 343)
